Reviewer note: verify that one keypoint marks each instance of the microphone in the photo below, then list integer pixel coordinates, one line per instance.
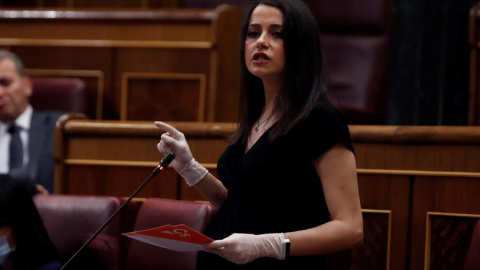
(160, 167)
(164, 162)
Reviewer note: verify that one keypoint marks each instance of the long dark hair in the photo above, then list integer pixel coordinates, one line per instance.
(18, 211)
(304, 84)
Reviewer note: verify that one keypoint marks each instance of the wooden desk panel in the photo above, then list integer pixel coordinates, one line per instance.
(112, 153)
(417, 148)
(387, 193)
(448, 198)
(119, 181)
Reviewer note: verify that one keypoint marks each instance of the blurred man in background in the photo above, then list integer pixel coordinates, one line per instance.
(26, 135)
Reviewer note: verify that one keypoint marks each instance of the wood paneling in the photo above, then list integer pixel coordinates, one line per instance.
(116, 43)
(392, 193)
(417, 148)
(374, 253)
(448, 239)
(113, 155)
(439, 171)
(440, 194)
(166, 96)
(119, 181)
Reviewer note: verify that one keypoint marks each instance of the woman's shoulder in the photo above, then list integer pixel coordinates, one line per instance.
(327, 114)
(323, 128)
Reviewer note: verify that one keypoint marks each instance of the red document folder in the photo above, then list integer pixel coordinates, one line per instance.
(178, 237)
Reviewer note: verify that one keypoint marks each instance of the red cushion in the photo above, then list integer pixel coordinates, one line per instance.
(71, 220)
(59, 94)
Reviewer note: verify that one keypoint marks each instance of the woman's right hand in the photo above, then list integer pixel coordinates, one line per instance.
(183, 163)
(174, 140)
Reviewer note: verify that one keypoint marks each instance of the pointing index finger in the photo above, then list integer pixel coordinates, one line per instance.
(168, 128)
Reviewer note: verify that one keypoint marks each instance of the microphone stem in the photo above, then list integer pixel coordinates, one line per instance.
(154, 173)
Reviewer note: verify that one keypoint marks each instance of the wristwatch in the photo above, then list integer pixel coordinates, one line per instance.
(286, 243)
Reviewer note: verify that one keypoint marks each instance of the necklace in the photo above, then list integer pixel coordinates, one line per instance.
(264, 121)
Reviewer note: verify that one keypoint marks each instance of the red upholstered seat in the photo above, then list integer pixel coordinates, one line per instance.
(473, 256)
(59, 94)
(72, 219)
(356, 40)
(155, 212)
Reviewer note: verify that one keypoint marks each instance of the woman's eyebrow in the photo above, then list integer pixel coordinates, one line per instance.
(273, 25)
(276, 26)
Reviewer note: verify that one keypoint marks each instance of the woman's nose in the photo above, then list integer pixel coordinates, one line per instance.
(262, 41)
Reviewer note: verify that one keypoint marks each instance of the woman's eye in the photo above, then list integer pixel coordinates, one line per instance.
(253, 34)
(278, 34)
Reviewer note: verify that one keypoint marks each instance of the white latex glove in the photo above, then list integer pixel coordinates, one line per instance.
(183, 163)
(243, 248)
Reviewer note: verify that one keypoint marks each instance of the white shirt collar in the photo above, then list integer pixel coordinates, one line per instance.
(23, 120)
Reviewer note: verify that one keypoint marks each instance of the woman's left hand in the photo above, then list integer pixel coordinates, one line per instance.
(242, 248)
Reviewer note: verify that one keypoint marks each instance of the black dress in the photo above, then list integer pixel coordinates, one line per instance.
(274, 188)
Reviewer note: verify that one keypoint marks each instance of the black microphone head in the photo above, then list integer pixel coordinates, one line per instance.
(167, 159)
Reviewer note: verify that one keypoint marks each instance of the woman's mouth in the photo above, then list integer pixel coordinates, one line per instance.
(260, 58)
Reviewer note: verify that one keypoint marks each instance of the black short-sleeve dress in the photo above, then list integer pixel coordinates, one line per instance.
(274, 187)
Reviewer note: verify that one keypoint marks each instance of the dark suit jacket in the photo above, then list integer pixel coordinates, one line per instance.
(40, 168)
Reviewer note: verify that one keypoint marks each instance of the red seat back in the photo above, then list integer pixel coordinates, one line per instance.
(59, 94)
(356, 40)
(71, 220)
